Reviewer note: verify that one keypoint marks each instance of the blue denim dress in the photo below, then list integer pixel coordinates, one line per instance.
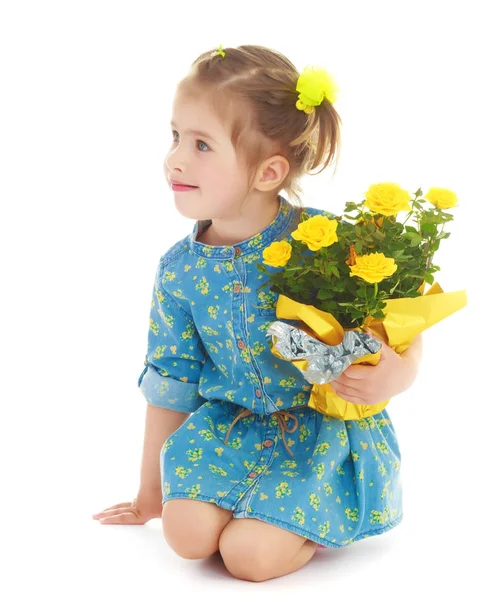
(251, 444)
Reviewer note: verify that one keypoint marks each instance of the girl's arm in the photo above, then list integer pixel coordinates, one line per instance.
(169, 382)
(413, 354)
(411, 358)
(394, 374)
(160, 424)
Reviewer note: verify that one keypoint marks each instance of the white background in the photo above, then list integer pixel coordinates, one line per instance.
(86, 213)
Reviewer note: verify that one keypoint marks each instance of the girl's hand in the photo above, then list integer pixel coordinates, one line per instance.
(371, 384)
(147, 506)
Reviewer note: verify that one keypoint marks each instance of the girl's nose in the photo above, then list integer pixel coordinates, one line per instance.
(176, 159)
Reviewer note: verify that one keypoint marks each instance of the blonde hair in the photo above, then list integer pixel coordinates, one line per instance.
(254, 89)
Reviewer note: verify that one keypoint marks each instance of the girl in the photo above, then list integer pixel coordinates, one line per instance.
(247, 468)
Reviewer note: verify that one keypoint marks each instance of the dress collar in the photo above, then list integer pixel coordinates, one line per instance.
(277, 227)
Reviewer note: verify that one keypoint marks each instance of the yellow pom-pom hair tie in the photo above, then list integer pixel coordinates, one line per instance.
(220, 51)
(313, 85)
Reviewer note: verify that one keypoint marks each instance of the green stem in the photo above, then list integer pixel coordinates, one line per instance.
(366, 300)
(408, 216)
(375, 298)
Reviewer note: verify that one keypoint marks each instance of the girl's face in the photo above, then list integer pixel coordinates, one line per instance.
(202, 155)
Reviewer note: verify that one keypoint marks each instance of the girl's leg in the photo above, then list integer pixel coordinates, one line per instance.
(192, 528)
(256, 551)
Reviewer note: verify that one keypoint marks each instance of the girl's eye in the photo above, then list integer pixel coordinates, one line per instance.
(204, 144)
(201, 145)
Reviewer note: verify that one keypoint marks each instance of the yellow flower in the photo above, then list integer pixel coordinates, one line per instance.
(441, 197)
(373, 268)
(277, 254)
(317, 232)
(313, 85)
(387, 199)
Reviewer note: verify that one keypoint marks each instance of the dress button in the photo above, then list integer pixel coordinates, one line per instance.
(258, 393)
(268, 443)
(253, 475)
(237, 288)
(241, 344)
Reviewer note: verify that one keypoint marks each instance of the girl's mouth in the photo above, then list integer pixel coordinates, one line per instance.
(182, 188)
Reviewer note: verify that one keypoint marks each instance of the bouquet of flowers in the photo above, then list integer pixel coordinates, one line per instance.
(366, 269)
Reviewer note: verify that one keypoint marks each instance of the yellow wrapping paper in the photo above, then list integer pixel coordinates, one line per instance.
(404, 319)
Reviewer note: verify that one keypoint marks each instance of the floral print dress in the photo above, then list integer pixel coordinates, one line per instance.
(251, 444)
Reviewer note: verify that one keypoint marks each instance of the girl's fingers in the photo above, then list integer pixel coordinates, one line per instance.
(121, 505)
(346, 393)
(124, 517)
(115, 506)
(110, 513)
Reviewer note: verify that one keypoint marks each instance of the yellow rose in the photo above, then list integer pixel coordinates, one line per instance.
(387, 199)
(373, 268)
(317, 232)
(277, 254)
(441, 197)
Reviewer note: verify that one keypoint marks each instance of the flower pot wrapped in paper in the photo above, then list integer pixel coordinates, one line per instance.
(404, 319)
(358, 275)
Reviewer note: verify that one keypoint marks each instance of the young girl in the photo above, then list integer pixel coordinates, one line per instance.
(247, 468)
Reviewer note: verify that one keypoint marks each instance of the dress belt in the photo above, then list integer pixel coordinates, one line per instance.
(282, 416)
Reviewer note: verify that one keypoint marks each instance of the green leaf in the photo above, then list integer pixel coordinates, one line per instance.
(335, 271)
(416, 239)
(428, 228)
(324, 293)
(397, 253)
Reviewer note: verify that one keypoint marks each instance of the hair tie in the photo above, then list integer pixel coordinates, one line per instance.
(313, 85)
(219, 51)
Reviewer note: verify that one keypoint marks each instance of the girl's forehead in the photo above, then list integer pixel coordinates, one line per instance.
(205, 110)
(196, 110)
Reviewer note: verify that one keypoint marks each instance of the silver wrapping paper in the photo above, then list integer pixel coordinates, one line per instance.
(325, 363)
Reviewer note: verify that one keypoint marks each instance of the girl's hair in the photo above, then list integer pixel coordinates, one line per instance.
(253, 89)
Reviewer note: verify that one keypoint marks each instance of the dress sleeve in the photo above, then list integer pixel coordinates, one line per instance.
(175, 354)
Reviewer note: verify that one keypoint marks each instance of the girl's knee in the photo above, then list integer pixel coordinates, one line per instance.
(192, 528)
(256, 551)
(245, 556)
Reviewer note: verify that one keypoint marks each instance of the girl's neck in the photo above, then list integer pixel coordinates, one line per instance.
(222, 232)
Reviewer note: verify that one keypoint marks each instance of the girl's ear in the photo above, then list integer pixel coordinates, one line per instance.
(271, 173)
